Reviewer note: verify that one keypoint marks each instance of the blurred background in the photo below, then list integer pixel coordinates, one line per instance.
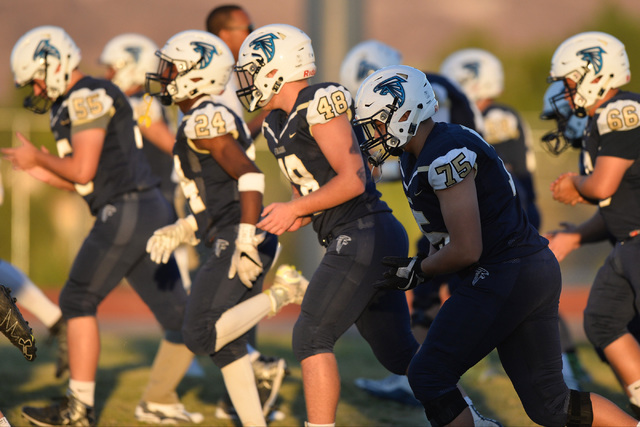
(41, 228)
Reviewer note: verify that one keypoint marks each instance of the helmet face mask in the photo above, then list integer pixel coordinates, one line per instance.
(162, 83)
(48, 54)
(39, 103)
(569, 127)
(595, 62)
(270, 57)
(249, 94)
(379, 143)
(390, 105)
(192, 63)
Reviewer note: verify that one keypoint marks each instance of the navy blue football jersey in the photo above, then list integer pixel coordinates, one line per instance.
(450, 153)
(615, 131)
(96, 103)
(505, 130)
(302, 161)
(161, 163)
(212, 195)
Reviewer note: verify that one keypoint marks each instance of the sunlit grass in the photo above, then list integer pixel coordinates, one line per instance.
(125, 362)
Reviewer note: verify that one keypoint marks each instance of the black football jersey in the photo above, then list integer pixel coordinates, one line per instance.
(450, 153)
(97, 103)
(161, 163)
(302, 161)
(615, 131)
(212, 194)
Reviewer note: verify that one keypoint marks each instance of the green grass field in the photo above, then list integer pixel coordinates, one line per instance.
(125, 361)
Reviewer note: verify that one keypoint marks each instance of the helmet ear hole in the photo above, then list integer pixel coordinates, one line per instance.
(405, 116)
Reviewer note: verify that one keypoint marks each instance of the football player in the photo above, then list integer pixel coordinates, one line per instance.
(309, 133)
(453, 107)
(224, 189)
(99, 158)
(481, 76)
(465, 202)
(127, 58)
(593, 66)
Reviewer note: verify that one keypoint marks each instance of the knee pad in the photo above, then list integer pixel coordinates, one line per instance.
(444, 409)
(580, 412)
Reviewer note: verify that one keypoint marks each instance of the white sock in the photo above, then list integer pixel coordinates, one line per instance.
(241, 386)
(29, 295)
(308, 424)
(84, 391)
(237, 320)
(4, 422)
(634, 392)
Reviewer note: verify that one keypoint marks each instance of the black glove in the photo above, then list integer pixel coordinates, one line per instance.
(405, 273)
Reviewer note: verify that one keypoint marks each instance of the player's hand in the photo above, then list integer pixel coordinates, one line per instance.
(165, 240)
(405, 273)
(564, 190)
(245, 260)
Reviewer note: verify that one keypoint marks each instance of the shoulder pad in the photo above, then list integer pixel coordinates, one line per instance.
(451, 168)
(209, 121)
(86, 104)
(500, 125)
(327, 103)
(620, 115)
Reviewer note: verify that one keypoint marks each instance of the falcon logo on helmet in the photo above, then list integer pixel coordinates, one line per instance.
(392, 86)
(593, 55)
(45, 49)
(134, 51)
(266, 44)
(207, 51)
(473, 68)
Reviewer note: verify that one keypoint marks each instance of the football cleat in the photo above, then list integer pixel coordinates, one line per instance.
(269, 373)
(171, 413)
(59, 332)
(394, 387)
(289, 287)
(69, 412)
(14, 327)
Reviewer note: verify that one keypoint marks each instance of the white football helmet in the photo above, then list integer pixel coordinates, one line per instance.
(569, 129)
(390, 105)
(365, 58)
(49, 54)
(477, 71)
(596, 62)
(192, 63)
(131, 56)
(270, 57)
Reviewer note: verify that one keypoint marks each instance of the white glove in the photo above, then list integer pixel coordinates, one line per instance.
(246, 258)
(166, 239)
